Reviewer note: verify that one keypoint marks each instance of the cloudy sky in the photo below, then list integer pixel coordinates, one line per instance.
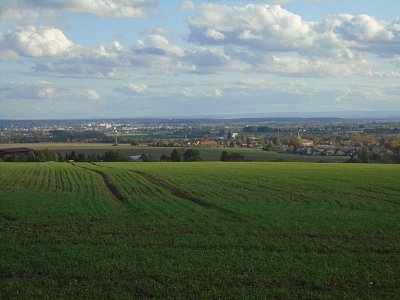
(144, 58)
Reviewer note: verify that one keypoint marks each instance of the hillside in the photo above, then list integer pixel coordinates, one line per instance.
(199, 230)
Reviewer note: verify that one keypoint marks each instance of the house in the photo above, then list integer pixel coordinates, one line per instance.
(10, 151)
(340, 152)
(306, 143)
(209, 143)
(136, 158)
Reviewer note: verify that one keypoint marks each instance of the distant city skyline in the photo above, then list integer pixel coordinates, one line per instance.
(66, 59)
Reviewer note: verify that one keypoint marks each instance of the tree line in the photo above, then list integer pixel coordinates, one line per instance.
(177, 155)
(33, 156)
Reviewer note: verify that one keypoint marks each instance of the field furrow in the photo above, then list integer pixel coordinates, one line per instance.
(199, 230)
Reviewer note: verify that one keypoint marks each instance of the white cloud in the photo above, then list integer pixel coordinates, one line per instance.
(103, 8)
(19, 15)
(37, 42)
(254, 82)
(91, 94)
(132, 89)
(114, 61)
(214, 34)
(158, 43)
(34, 91)
(264, 28)
(314, 67)
(218, 93)
(187, 92)
(252, 38)
(187, 5)
(276, 28)
(100, 62)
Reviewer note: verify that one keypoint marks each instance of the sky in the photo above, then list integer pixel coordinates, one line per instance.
(64, 59)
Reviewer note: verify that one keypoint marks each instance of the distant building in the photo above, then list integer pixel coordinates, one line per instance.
(209, 143)
(136, 158)
(305, 142)
(10, 151)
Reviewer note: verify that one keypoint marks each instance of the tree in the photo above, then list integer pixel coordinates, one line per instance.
(396, 157)
(224, 156)
(175, 156)
(165, 157)
(236, 157)
(55, 156)
(248, 141)
(364, 154)
(113, 156)
(296, 144)
(146, 157)
(32, 156)
(93, 157)
(192, 155)
(42, 156)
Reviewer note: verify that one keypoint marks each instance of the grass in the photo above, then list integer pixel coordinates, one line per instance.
(199, 230)
(207, 154)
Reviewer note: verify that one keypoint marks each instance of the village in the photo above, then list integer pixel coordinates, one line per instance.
(367, 140)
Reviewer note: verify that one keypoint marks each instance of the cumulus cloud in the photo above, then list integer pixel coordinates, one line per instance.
(99, 62)
(264, 28)
(37, 42)
(33, 91)
(104, 8)
(18, 15)
(114, 61)
(252, 38)
(314, 67)
(132, 89)
(187, 5)
(218, 93)
(157, 43)
(214, 34)
(91, 94)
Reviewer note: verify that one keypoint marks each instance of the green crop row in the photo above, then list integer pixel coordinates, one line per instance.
(199, 230)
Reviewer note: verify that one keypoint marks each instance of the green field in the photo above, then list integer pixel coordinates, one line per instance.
(207, 154)
(199, 230)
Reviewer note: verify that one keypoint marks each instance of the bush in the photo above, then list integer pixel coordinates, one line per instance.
(113, 156)
(175, 156)
(353, 160)
(225, 156)
(192, 155)
(165, 158)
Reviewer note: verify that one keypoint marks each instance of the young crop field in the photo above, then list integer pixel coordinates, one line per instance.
(207, 154)
(199, 230)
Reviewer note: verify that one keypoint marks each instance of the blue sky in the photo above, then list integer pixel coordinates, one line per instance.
(149, 58)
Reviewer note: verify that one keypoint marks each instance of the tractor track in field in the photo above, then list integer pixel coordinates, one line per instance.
(173, 189)
(177, 192)
(114, 192)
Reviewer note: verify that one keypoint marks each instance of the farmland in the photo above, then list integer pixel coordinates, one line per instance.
(207, 154)
(199, 230)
